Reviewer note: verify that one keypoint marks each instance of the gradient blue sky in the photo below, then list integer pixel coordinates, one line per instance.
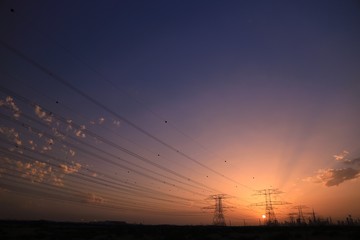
(264, 92)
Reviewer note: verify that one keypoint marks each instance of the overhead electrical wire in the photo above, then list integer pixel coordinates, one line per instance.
(55, 196)
(33, 128)
(35, 121)
(22, 155)
(73, 191)
(86, 146)
(107, 109)
(105, 141)
(138, 128)
(114, 183)
(92, 154)
(96, 180)
(25, 126)
(77, 113)
(103, 77)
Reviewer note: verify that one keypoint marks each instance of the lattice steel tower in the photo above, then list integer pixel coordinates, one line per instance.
(300, 216)
(269, 210)
(218, 219)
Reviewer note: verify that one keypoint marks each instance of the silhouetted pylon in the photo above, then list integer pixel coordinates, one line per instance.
(218, 219)
(269, 210)
(300, 216)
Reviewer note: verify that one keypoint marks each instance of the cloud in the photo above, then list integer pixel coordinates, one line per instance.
(80, 132)
(50, 141)
(10, 103)
(42, 114)
(13, 136)
(348, 170)
(116, 123)
(341, 156)
(36, 172)
(354, 162)
(57, 134)
(57, 181)
(69, 126)
(94, 199)
(72, 152)
(17, 139)
(101, 120)
(39, 112)
(32, 144)
(333, 177)
(68, 169)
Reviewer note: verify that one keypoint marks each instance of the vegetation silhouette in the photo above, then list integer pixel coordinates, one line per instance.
(11, 230)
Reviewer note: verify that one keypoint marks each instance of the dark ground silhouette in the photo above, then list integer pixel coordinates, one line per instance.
(119, 230)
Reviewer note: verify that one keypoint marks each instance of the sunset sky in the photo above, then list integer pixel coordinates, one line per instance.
(138, 111)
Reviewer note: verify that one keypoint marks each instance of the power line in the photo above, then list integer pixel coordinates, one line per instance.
(119, 187)
(105, 183)
(56, 197)
(92, 154)
(5, 90)
(34, 129)
(99, 104)
(102, 76)
(45, 125)
(102, 126)
(73, 190)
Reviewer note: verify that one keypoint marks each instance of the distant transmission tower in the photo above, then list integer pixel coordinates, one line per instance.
(219, 219)
(300, 216)
(269, 210)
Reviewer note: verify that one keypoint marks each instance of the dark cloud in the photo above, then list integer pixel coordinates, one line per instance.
(355, 162)
(333, 177)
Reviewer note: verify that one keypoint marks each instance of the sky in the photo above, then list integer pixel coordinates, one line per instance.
(142, 111)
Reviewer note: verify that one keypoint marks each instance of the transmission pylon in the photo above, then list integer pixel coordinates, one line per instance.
(269, 210)
(218, 219)
(300, 216)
